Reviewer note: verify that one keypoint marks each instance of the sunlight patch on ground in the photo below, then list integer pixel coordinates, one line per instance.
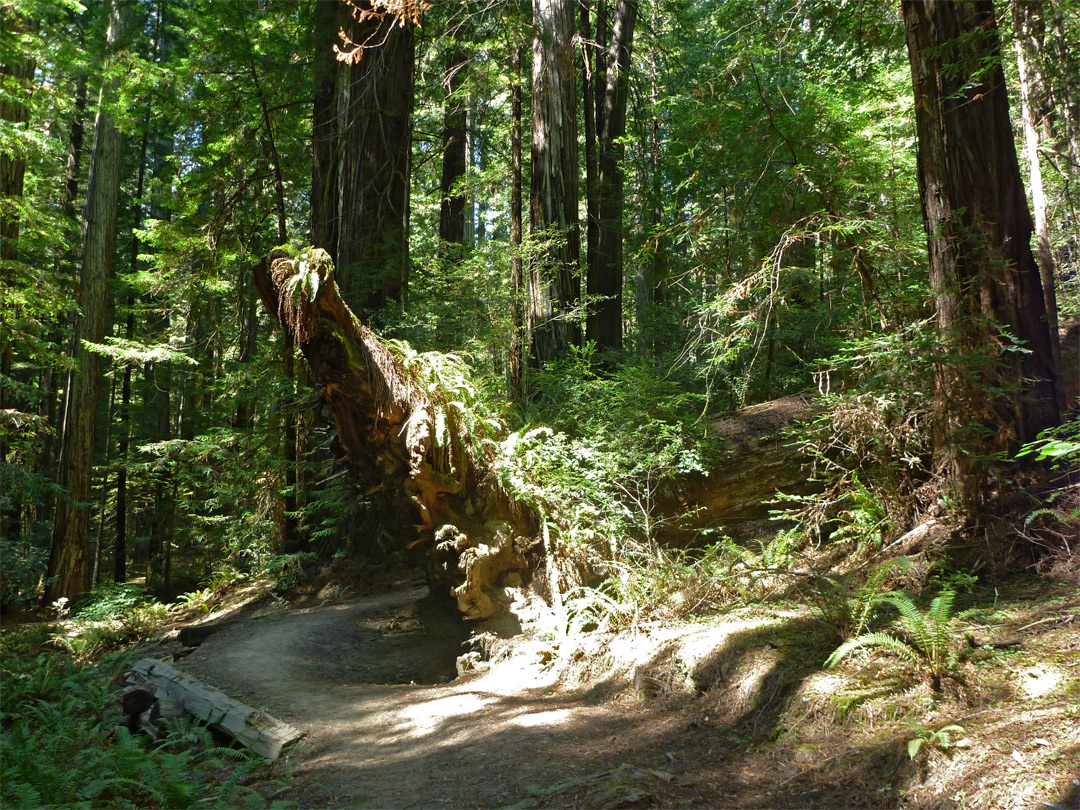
(1039, 680)
(825, 683)
(237, 599)
(555, 717)
(427, 716)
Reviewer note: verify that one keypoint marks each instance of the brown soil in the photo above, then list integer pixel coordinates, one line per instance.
(734, 713)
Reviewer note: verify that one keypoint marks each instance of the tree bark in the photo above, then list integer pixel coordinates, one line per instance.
(68, 558)
(324, 207)
(652, 267)
(982, 271)
(517, 376)
(554, 275)
(455, 114)
(588, 82)
(1028, 81)
(605, 277)
(71, 194)
(374, 99)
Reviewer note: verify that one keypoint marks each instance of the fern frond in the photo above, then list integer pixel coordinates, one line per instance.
(870, 593)
(870, 640)
(940, 620)
(911, 618)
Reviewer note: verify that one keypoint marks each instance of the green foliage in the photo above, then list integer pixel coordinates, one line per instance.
(928, 636)
(467, 420)
(1058, 445)
(627, 438)
(849, 613)
(57, 747)
(111, 601)
(23, 563)
(862, 517)
(287, 570)
(676, 584)
(784, 263)
(873, 448)
(940, 739)
(569, 484)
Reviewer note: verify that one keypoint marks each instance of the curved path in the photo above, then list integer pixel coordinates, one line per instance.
(369, 684)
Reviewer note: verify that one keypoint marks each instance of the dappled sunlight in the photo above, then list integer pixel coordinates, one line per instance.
(1040, 680)
(825, 683)
(555, 717)
(426, 717)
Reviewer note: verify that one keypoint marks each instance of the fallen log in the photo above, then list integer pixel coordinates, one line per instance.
(420, 460)
(257, 731)
(763, 463)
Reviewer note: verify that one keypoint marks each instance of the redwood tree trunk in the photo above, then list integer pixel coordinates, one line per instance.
(70, 539)
(452, 207)
(982, 271)
(554, 276)
(517, 377)
(374, 102)
(605, 277)
(324, 207)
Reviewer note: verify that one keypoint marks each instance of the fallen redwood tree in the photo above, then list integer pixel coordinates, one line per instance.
(419, 453)
(426, 457)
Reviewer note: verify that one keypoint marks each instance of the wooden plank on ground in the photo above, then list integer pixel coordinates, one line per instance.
(258, 731)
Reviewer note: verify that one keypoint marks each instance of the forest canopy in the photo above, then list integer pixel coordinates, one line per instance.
(515, 261)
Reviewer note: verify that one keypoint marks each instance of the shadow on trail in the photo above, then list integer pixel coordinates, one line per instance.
(351, 677)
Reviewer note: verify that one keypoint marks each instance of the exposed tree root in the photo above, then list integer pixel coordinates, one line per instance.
(394, 434)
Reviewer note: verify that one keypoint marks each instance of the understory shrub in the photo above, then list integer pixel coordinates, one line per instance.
(619, 444)
(871, 442)
(926, 638)
(60, 745)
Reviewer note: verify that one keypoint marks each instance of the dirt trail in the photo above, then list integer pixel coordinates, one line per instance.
(341, 674)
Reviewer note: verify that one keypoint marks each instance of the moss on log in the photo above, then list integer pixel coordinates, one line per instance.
(412, 453)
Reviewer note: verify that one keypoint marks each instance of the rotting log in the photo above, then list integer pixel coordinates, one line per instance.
(257, 731)
(764, 463)
(421, 478)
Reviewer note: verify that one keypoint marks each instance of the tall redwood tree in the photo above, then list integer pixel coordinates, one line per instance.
(989, 302)
(68, 561)
(554, 276)
(360, 178)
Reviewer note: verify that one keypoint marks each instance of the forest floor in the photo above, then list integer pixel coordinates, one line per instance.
(733, 711)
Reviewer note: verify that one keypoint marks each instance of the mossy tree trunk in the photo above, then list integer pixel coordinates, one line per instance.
(424, 475)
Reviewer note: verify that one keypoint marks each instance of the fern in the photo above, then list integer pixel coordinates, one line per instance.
(848, 615)
(869, 596)
(930, 635)
(866, 640)
(51, 751)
